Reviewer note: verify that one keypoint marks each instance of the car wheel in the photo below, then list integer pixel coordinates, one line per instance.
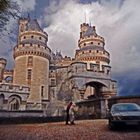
(111, 125)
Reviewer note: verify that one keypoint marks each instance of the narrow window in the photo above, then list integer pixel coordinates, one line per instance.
(29, 74)
(52, 82)
(42, 91)
(30, 61)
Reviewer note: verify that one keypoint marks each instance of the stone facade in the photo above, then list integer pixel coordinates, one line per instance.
(51, 79)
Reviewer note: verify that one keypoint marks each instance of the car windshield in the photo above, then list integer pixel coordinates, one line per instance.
(126, 107)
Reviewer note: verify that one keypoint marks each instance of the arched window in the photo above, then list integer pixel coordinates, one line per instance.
(14, 103)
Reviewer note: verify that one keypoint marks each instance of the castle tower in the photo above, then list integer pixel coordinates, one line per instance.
(32, 57)
(2, 67)
(91, 47)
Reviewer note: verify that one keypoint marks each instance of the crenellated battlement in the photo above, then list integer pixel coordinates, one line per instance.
(32, 50)
(14, 88)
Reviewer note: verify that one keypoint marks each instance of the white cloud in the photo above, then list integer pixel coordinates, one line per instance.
(118, 22)
(26, 5)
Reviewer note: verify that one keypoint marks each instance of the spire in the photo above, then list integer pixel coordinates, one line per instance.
(85, 17)
(28, 16)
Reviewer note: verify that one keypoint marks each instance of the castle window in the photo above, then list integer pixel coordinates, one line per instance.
(30, 61)
(24, 37)
(97, 51)
(82, 52)
(31, 44)
(38, 45)
(108, 72)
(40, 38)
(29, 74)
(23, 45)
(32, 36)
(91, 43)
(89, 51)
(98, 43)
(52, 82)
(42, 91)
(84, 44)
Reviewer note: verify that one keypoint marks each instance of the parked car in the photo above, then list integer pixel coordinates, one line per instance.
(124, 114)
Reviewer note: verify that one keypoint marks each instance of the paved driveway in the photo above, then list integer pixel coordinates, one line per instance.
(83, 130)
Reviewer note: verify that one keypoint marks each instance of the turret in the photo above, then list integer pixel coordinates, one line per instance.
(2, 67)
(91, 47)
(32, 56)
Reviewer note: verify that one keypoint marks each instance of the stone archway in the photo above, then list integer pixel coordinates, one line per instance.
(94, 90)
(14, 102)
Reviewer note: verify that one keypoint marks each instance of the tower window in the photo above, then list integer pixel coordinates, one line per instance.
(91, 42)
(42, 91)
(24, 37)
(52, 82)
(30, 61)
(29, 74)
(98, 43)
(84, 44)
(32, 36)
(40, 38)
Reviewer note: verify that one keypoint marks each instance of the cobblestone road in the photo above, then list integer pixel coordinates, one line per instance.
(83, 130)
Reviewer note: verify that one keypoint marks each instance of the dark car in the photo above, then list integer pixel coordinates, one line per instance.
(124, 114)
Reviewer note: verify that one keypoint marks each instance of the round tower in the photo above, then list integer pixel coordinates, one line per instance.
(2, 67)
(32, 57)
(91, 47)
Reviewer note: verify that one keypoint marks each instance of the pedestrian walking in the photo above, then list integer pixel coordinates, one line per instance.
(72, 112)
(67, 113)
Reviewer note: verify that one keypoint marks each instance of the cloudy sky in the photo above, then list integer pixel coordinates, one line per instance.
(118, 21)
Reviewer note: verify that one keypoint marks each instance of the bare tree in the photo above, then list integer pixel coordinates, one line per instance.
(8, 10)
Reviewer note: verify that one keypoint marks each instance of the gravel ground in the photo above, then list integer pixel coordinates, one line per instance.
(83, 130)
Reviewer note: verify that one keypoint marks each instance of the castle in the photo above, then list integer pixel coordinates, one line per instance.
(42, 79)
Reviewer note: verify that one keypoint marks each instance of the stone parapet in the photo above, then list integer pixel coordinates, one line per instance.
(43, 52)
(14, 88)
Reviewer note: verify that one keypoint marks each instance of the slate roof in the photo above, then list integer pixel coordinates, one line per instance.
(92, 47)
(90, 31)
(33, 25)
